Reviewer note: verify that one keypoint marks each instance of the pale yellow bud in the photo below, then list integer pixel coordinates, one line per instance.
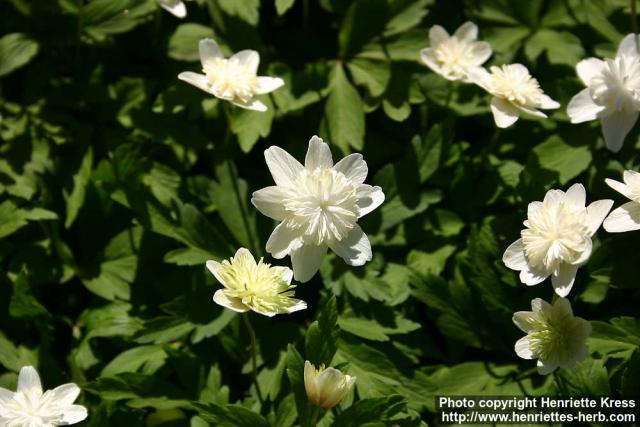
(326, 387)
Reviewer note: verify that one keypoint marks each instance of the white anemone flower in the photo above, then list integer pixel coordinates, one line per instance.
(319, 205)
(452, 56)
(234, 79)
(254, 286)
(514, 92)
(554, 336)
(557, 238)
(627, 216)
(175, 7)
(612, 94)
(326, 387)
(30, 407)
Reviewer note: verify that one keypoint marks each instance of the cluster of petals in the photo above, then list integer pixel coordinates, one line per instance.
(627, 216)
(232, 79)
(318, 206)
(326, 387)
(612, 93)
(257, 286)
(554, 335)
(175, 7)
(30, 407)
(452, 56)
(556, 239)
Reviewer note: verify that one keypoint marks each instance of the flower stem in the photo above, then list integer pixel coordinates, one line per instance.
(254, 350)
(314, 416)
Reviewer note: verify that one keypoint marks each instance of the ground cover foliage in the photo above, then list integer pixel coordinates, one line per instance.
(118, 181)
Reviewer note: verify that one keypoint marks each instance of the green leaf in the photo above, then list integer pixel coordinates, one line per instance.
(249, 126)
(373, 75)
(364, 20)
(370, 410)
(148, 358)
(619, 338)
(23, 304)
(568, 161)
(75, 200)
(183, 44)
(295, 373)
(230, 415)
(247, 10)
(587, 378)
(322, 335)
(561, 47)
(16, 50)
(103, 18)
(283, 5)
(344, 113)
(406, 15)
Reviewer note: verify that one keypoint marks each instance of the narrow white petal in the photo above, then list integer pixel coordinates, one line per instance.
(589, 68)
(306, 261)
(532, 111)
(28, 380)
(525, 320)
(318, 154)
(576, 196)
(562, 307)
(437, 35)
(547, 103)
(428, 57)
(479, 76)
(615, 128)
(581, 108)
(66, 394)
(283, 167)
(353, 167)
(244, 257)
(596, 212)
(283, 241)
(631, 177)
(504, 113)
(249, 58)
(624, 218)
(513, 256)
(214, 267)
(563, 279)
(531, 276)
(299, 305)
(523, 348)
(234, 304)
(73, 414)
(176, 8)
(5, 396)
(619, 187)
(481, 52)
(269, 201)
(554, 197)
(467, 32)
(355, 249)
(198, 80)
(252, 104)
(209, 50)
(369, 198)
(285, 272)
(629, 46)
(268, 84)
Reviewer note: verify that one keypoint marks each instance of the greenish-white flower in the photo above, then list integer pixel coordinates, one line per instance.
(557, 238)
(326, 387)
(254, 286)
(175, 7)
(627, 216)
(319, 205)
(514, 92)
(233, 79)
(555, 336)
(452, 56)
(30, 407)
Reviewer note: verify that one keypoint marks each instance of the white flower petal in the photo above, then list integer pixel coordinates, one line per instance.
(437, 35)
(620, 187)
(74, 414)
(209, 51)
(629, 46)
(581, 108)
(531, 276)
(252, 104)
(479, 76)
(527, 321)
(545, 368)
(596, 212)
(615, 128)
(369, 198)
(631, 178)
(306, 261)
(198, 80)
(234, 304)
(268, 84)
(514, 257)
(297, 306)
(532, 111)
(214, 267)
(576, 196)
(286, 273)
(523, 348)
(564, 278)
(283, 241)
(5, 396)
(29, 380)
(353, 167)
(481, 52)
(175, 7)
(269, 201)
(624, 218)
(589, 68)
(283, 167)
(355, 249)
(504, 113)
(467, 31)
(547, 103)
(66, 394)
(318, 154)
(249, 58)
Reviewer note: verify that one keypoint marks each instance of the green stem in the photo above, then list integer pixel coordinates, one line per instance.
(314, 416)
(450, 89)
(254, 350)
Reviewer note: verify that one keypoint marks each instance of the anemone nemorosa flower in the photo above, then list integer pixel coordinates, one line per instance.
(554, 336)
(514, 92)
(326, 387)
(612, 94)
(557, 238)
(452, 56)
(254, 286)
(319, 205)
(30, 407)
(233, 79)
(175, 7)
(627, 216)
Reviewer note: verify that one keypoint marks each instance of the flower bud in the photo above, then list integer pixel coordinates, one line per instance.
(326, 387)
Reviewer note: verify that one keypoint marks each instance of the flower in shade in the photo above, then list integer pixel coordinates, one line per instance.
(627, 216)
(326, 387)
(319, 205)
(452, 56)
(254, 286)
(233, 79)
(554, 336)
(557, 238)
(514, 92)
(175, 7)
(30, 407)
(612, 94)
